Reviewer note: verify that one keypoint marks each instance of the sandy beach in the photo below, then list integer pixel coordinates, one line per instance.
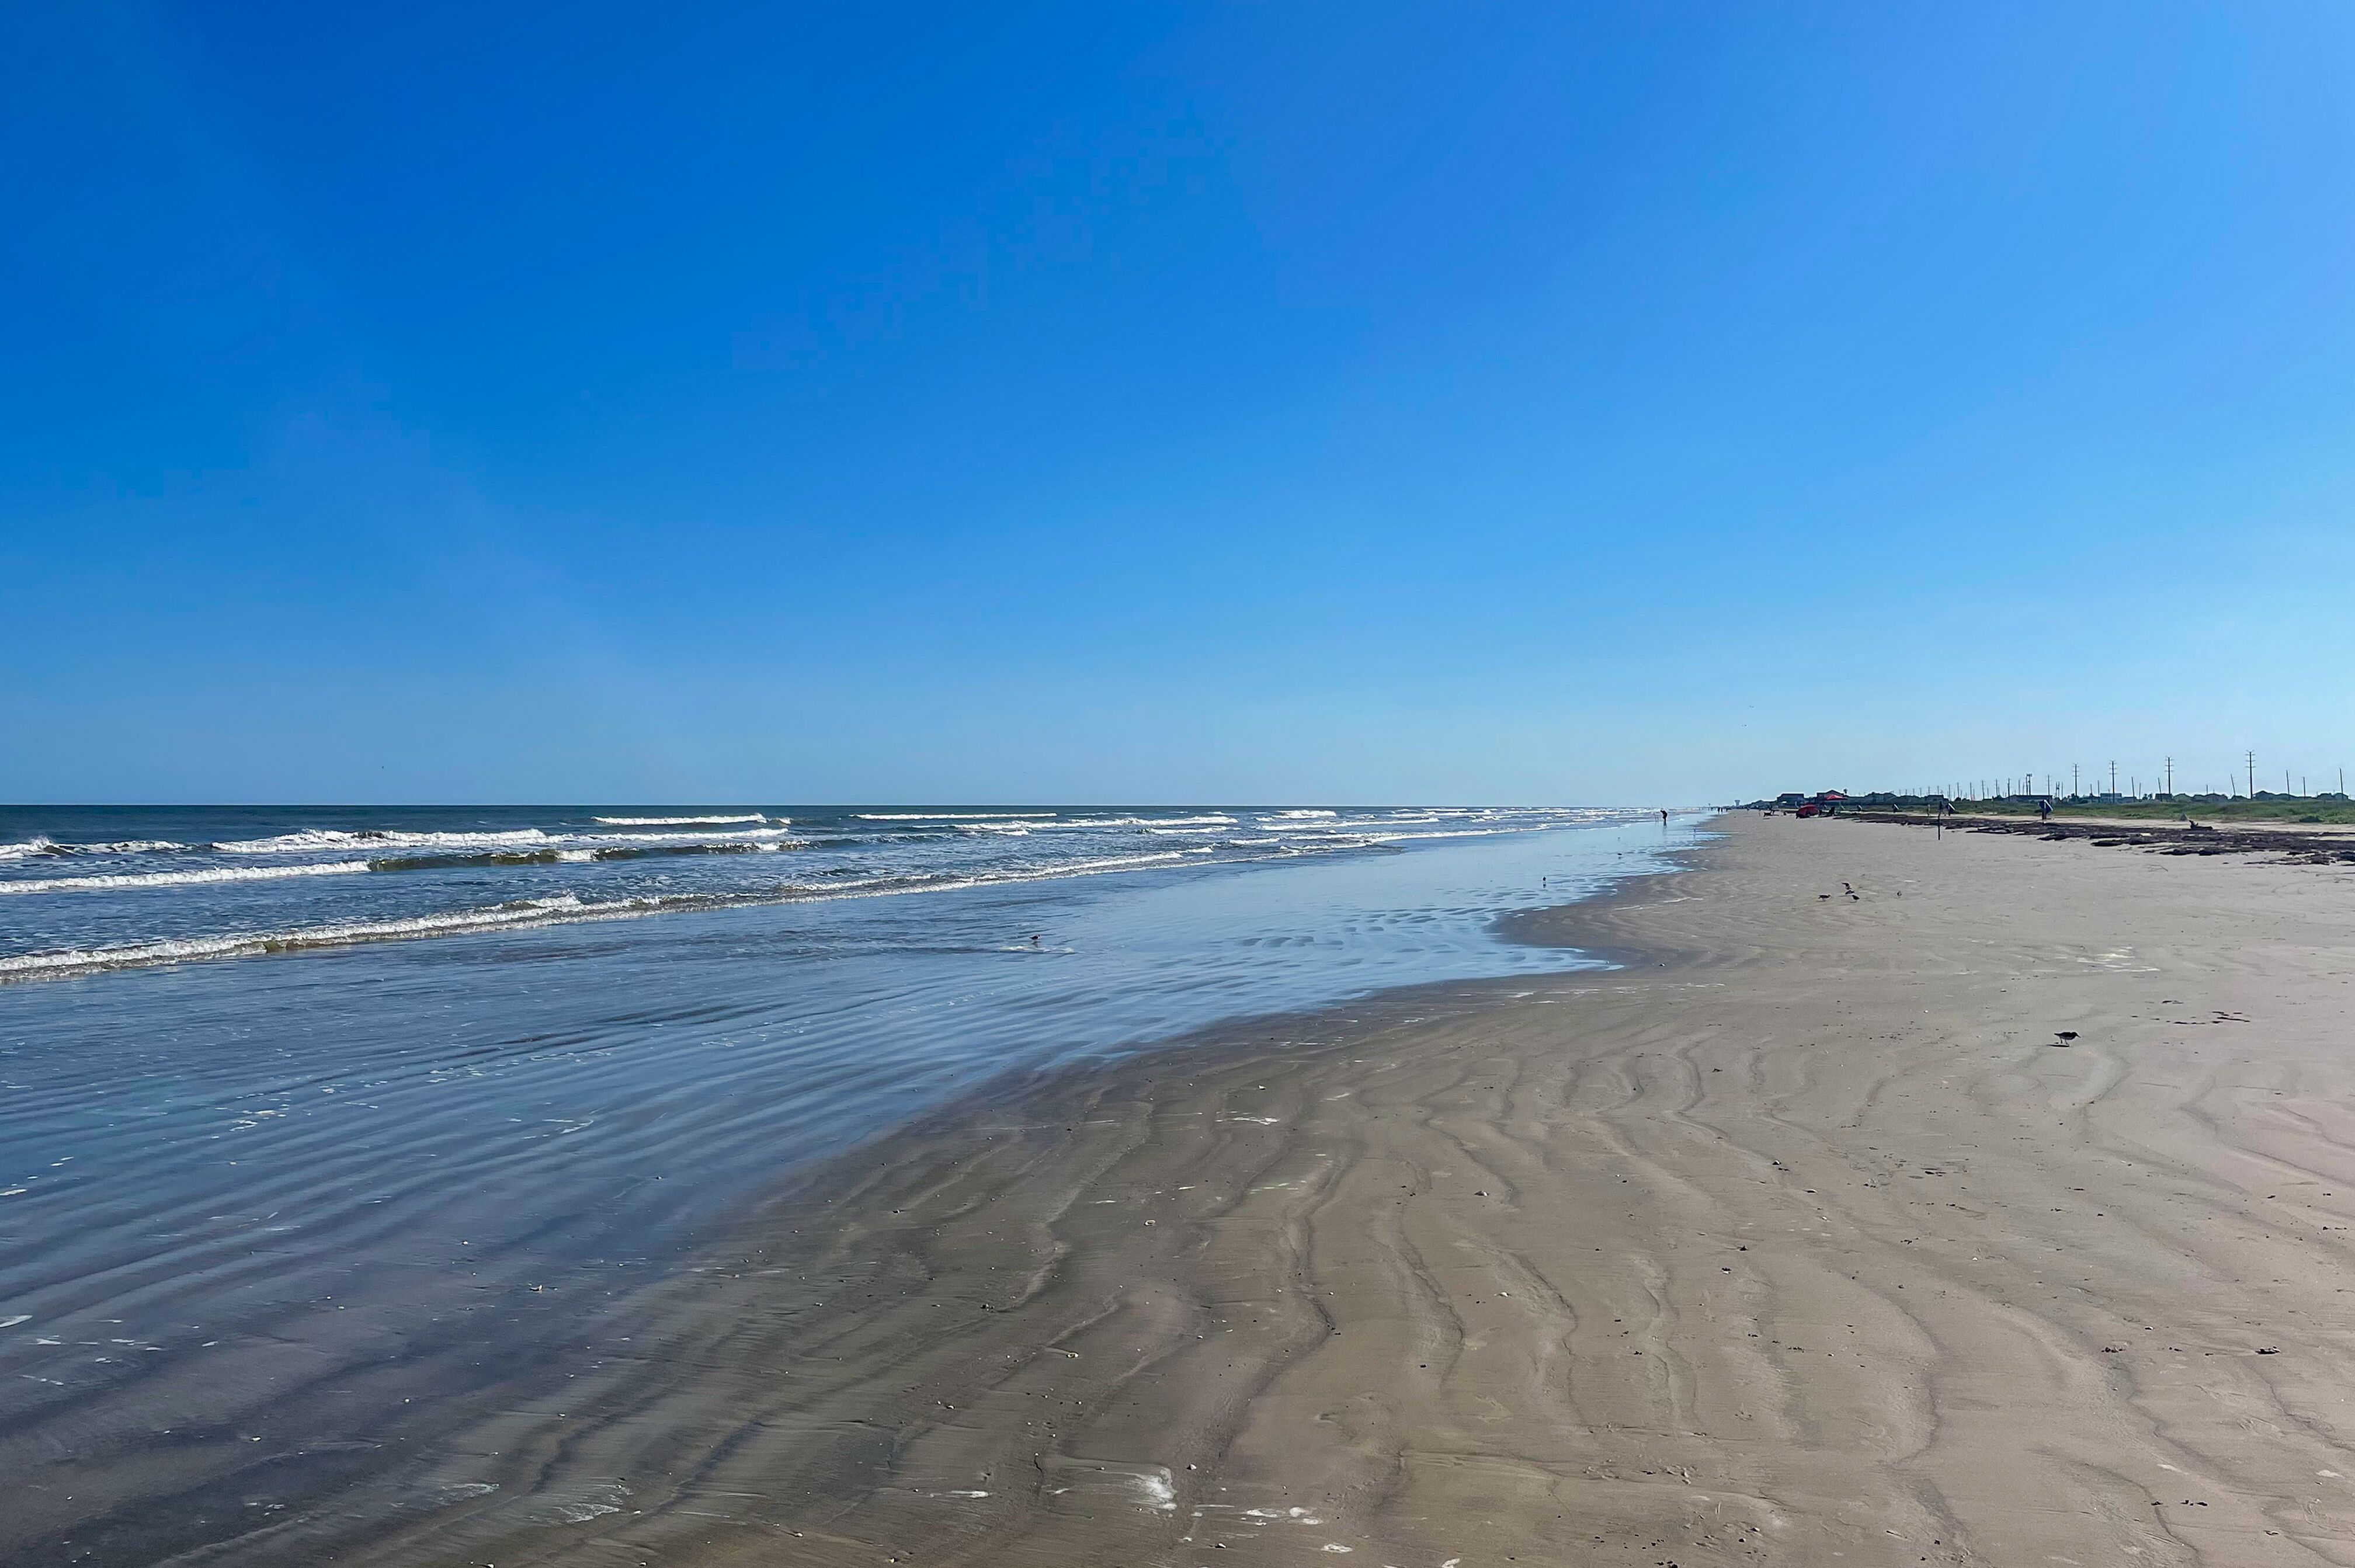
(1178, 786)
(1802, 1237)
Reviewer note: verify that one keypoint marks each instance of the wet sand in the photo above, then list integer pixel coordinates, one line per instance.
(1799, 1239)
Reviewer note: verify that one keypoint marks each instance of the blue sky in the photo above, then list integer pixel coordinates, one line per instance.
(1600, 403)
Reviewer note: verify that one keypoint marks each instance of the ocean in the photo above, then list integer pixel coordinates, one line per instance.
(298, 1098)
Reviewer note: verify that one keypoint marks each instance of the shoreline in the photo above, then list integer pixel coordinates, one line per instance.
(411, 1368)
(1794, 1236)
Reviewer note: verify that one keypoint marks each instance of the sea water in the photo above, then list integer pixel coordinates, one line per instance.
(292, 1089)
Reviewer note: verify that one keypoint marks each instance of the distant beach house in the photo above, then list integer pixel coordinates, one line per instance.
(1826, 804)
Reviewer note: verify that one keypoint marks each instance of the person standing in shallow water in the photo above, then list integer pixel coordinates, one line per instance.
(1663, 816)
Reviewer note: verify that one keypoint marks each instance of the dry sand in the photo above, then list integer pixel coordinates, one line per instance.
(1797, 1240)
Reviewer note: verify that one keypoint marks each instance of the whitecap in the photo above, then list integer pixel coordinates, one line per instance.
(681, 821)
(736, 836)
(1029, 824)
(564, 909)
(316, 839)
(126, 880)
(240, 944)
(953, 816)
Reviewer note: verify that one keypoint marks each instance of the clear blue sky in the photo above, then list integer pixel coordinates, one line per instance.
(1597, 403)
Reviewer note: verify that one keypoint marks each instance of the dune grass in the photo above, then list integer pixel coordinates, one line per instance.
(2267, 808)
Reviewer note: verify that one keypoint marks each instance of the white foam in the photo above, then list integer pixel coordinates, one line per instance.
(1320, 832)
(316, 839)
(1333, 822)
(565, 909)
(240, 944)
(180, 879)
(1314, 837)
(323, 840)
(736, 836)
(953, 816)
(1447, 833)
(582, 1513)
(680, 821)
(1026, 824)
(39, 845)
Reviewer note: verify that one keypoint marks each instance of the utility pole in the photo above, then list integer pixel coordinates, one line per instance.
(2171, 775)
(2253, 775)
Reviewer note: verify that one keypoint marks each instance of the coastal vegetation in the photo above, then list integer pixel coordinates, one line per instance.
(2263, 807)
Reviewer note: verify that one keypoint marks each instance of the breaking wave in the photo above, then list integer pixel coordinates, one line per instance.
(1034, 824)
(311, 840)
(526, 912)
(562, 910)
(465, 862)
(181, 879)
(643, 847)
(955, 817)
